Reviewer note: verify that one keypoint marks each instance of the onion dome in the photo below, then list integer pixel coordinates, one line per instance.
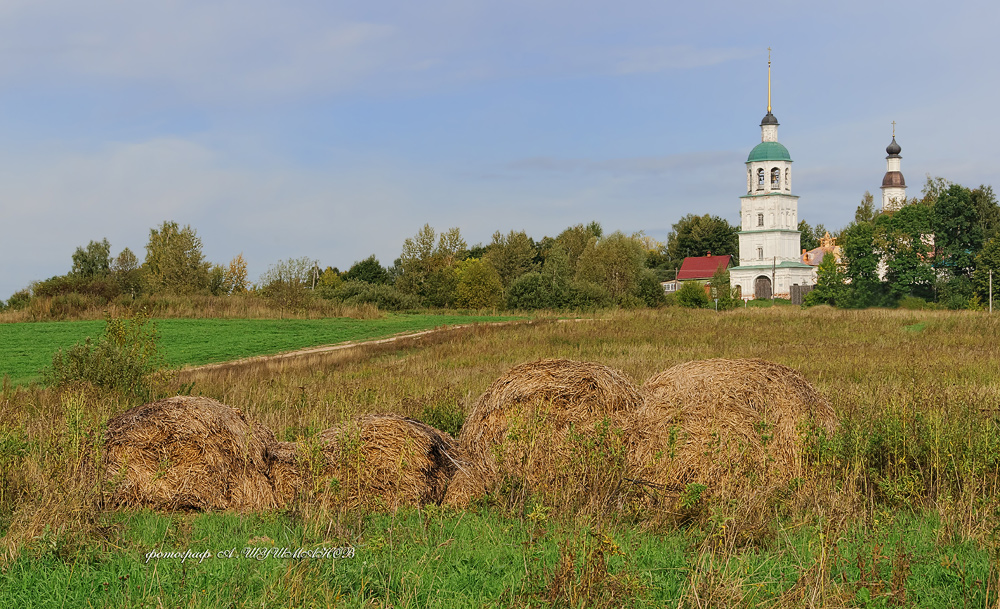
(769, 119)
(893, 149)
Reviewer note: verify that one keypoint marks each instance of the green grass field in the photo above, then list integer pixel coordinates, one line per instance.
(27, 348)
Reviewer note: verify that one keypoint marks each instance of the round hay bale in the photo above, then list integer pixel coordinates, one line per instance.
(283, 471)
(188, 453)
(722, 422)
(550, 427)
(386, 461)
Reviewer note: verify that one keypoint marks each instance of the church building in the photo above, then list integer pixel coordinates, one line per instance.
(893, 184)
(770, 259)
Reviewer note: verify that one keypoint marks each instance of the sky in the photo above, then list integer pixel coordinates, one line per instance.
(336, 129)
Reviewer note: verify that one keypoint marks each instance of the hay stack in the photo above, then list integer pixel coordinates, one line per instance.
(188, 453)
(283, 471)
(386, 461)
(725, 423)
(527, 427)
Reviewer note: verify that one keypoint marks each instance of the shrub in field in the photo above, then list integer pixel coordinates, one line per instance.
(692, 295)
(125, 359)
(385, 297)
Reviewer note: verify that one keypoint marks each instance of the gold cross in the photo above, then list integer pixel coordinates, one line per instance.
(893, 129)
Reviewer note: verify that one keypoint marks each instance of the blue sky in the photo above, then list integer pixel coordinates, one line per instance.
(335, 130)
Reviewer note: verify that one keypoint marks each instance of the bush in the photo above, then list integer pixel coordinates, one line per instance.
(385, 297)
(529, 292)
(692, 295)
(19, 300)
(588, 295)
(125, 359)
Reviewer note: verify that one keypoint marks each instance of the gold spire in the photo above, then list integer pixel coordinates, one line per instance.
(769, 80)
(893, 129)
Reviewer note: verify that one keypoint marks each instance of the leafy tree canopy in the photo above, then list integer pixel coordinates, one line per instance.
(696, 235)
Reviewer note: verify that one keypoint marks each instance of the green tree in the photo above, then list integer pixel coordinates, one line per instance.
(861, 261)
(174, 261)
(987, 211)
(427, 270)
(866, 211)
(720, 287)
(126, 273)
(958, 235)
(807, 238)
(615, 262)
(479, 285)
(368, 270)
(903, 239)
(93, 262)
(512, 255)
(829, 283)
(575, 239)
(988, 260)
(696, 235)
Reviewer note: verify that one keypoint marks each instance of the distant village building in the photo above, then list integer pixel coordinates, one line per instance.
(827, 245)
(893, 184)
(770, 260)
(698, 268)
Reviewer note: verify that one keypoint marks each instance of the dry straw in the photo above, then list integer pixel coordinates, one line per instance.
(727, 424)
(548, 427)
(386, 461)
(188, 453)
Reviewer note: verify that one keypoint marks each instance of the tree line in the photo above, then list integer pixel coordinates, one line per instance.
(937, 250)
(581, 267)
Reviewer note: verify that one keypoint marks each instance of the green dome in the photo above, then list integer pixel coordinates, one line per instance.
(769, 151)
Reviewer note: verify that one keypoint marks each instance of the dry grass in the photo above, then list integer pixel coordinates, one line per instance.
(188, 453)
(387, 461)
(723, 422)
(550, 428)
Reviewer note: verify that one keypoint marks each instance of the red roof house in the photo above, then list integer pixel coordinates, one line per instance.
(702, 267)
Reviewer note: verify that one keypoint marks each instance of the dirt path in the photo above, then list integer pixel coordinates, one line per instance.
(352, 344)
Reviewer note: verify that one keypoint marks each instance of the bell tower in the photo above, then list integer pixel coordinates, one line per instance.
(770, 262)
(893, 184)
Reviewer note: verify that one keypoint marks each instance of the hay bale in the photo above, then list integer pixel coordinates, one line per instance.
(188, 453)
(529, 426)
(725, 423)
(283, 470)
(386, 461)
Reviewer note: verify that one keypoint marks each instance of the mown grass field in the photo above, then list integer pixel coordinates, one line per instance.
(26, 348)
(901, 506)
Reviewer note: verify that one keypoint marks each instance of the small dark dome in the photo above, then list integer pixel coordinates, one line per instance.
(768, 120)
(893, 149)
(893, 178)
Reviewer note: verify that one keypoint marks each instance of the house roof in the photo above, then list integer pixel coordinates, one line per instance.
(702, 267)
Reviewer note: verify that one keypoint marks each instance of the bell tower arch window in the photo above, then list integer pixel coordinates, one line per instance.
(775, 178)
(788, 179)
(760, 179)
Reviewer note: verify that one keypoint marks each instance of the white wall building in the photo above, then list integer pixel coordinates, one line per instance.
(770, 256)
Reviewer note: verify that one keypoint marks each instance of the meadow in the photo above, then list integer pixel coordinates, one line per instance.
(26, 348)
(901, 506)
